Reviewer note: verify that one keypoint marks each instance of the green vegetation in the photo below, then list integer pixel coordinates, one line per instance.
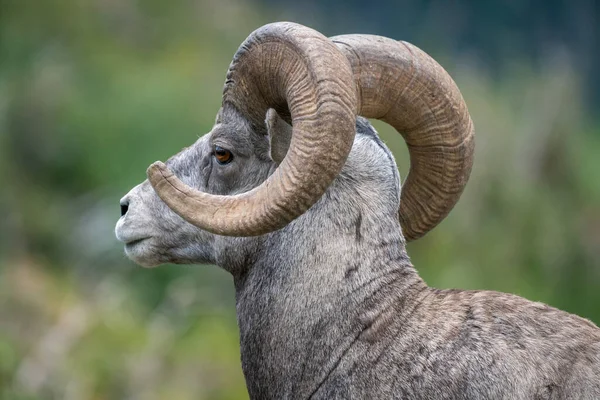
(91, 92)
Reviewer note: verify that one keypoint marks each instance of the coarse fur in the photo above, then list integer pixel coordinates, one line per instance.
(330, 307)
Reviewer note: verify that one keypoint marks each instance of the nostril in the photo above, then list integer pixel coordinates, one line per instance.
(124, 207)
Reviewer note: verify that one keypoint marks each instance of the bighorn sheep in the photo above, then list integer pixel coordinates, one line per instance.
(310, 221)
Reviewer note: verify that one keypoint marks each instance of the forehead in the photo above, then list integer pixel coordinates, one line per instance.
(237, 135)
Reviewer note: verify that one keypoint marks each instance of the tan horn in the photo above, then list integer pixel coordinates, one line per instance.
(300, 73)
(403, 86)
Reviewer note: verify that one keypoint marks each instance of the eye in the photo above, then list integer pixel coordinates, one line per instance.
(222, 155)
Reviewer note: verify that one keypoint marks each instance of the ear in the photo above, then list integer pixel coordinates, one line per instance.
(280, 135)
(219, 116)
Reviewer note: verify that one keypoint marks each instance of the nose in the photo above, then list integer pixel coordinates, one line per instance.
(124, 205)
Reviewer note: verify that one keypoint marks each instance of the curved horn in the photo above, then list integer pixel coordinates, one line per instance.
(300, 73)
(400, 84)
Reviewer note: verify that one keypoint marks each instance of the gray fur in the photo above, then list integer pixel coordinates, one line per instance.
(330, 307)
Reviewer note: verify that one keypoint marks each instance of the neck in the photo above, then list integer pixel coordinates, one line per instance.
(315, 294)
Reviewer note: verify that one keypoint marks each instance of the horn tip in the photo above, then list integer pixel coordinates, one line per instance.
(157, 171)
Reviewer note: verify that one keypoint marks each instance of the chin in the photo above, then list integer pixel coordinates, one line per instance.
(141, 253)
(143, 260)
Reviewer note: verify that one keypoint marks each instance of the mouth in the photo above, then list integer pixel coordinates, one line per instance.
(135, 242)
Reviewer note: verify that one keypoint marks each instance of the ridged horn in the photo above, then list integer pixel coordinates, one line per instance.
(403, 86)
(300, 73)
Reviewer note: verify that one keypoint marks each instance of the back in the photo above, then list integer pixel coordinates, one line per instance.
(473, 345)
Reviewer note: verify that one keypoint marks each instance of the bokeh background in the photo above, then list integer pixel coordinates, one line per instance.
(93, 91)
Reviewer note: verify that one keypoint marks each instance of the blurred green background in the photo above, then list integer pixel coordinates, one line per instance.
(93, 91)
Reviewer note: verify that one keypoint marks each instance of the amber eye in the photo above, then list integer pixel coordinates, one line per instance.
(222, 155)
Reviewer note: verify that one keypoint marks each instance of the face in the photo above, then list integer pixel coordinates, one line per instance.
(230, 159)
